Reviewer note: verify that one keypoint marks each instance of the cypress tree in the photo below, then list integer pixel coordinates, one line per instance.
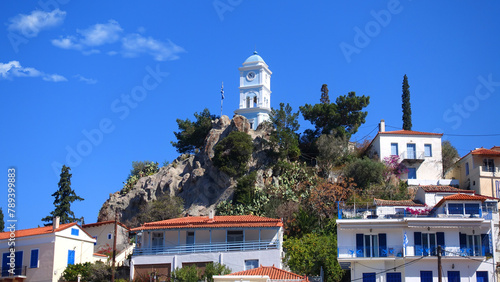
(324, 95)
(64, 196)
(406, 104)
(2, 223)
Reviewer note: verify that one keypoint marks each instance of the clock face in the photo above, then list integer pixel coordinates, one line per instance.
(250, 76)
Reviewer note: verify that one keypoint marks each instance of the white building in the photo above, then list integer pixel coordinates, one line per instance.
(255, 91)
(239, 242)
(103, 233)
(42, 254)
(399, 241)
(420, 152)
(479, 170)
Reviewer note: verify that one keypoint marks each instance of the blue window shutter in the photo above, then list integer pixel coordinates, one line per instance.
(75, 231)
(485, 244)
(453, 276)
(359, 245)
(382, 243)
(5, 265)
(19, 263)
(425, 276)
(482, 276)
(394, 277)
(417, 237)
(71, 257)
(34, 259)
(440, 242)
(463, 241)
(369, 277)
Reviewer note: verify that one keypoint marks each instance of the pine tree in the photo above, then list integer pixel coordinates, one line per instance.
(324, 94)
(63, 199)
(2, 223)
(406, 104)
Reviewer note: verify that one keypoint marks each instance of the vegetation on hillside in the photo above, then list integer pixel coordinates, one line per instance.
(233, 153)
(191, 134)
(139, 169)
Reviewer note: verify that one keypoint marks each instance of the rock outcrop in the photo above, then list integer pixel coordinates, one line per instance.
(193, 177)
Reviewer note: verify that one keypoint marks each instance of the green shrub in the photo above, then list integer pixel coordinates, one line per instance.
(233, 153)
(365, 172)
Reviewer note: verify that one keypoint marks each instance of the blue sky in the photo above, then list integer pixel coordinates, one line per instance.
(96, 85)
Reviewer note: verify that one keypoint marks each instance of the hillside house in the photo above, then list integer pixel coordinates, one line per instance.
(239, 242)
(42, 254)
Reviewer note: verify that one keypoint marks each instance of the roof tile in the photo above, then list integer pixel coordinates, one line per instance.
(36, 231)
(414, 203)
(273, 272)
(410, 132)
(445, 189)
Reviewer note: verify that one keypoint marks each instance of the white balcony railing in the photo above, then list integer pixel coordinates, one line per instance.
(412, 155)
(209, 248)
(396, 251)
(491, 169)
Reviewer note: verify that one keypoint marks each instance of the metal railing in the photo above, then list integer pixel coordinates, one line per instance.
(490, 168)
(370, 252)
(412, 155)
(396, 251)
(209, 248)
(372, 214)
(14, 272)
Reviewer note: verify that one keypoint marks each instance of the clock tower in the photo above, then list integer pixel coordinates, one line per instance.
(255, 90)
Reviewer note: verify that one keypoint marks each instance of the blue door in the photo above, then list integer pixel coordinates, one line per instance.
(482, 276)
(71, 257)
(411, 151)
(18, 265)
(394, 277)
(453, 276)
(369, 277)
(412, 173)
(425, 276)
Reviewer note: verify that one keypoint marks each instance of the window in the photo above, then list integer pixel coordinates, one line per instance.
(6, 260)
(234, 236)
(248, 102)
(411, 151)
(426, 243)
(394, 277)
(369, 277)
(472, 209)
(95, 243)
(190, 238)
(34, 259)
(455, 208)
(466, 168)
(425, 276)
(110, 236)
(474, 245)
(71, 257)
(453, 276)
(427, 150)
(489, 165)
(75, 231)
(251, 264)
(412, 173)
(371, 245)
(157, 239)
(482, 276)
(394, 149)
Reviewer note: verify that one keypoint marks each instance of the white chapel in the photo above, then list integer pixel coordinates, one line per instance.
(255, 90)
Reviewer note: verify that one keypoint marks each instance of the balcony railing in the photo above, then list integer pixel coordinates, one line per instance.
(396, 251)
(16, 272)
(372, 214)
(412, 155)
(209, 248)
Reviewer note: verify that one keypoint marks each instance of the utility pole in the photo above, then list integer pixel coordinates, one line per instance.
(440, 269)
(114, 248)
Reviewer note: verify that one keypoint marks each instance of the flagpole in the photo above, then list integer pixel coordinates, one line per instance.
(221, 98)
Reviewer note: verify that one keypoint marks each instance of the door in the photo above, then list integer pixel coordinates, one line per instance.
(411, 151)
(482, 276)
(453, 276)
(412, 173)
(394, 277)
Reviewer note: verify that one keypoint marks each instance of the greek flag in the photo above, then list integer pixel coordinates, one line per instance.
(222, 91)
(405, 240)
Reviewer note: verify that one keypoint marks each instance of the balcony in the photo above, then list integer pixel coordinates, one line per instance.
(396, 251)
(18, 272)
(488, 213)
(489, 171)
(412, 157)
(209, 248)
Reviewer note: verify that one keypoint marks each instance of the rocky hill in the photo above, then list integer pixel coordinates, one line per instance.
(194, 177)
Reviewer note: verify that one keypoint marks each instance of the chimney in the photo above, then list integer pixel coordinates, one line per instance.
(55, 223)
(381, 126)
(211, 215)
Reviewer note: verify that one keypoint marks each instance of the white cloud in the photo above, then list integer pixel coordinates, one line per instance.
(30, 25)
(14, 69)
(86, 80)
(89, 41)
(135, 44)
(96, 35)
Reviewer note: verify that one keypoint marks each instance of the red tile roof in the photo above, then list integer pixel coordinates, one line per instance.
(100, 255)
(37, 231)
(380, 202)
(410, 132)
(103, 223)
(445, 189)
(460, 197)
(273, 272)
(216, 222)
(486, 152)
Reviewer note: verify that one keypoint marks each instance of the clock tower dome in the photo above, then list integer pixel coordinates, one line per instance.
(255, 90)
